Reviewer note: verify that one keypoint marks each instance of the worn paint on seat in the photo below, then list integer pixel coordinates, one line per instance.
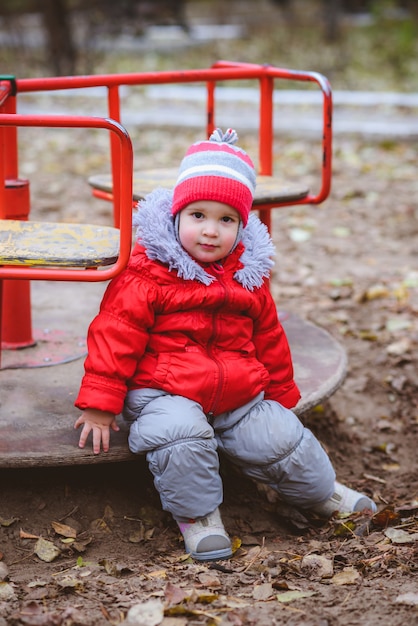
(49, 244)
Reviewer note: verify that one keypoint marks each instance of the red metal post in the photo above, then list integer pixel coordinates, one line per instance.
(114, 113)
(210, 107)
(266, 135)
(16, 316)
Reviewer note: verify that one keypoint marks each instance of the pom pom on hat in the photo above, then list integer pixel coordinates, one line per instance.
(216, 170)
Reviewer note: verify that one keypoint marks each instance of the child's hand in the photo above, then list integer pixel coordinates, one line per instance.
(99, 423)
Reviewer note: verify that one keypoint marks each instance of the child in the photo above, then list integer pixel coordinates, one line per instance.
(188, 345)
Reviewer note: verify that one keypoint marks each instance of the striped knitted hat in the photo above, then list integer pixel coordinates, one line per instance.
(216, 170)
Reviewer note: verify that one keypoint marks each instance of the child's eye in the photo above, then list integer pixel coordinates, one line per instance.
(197, 214)
(227, 219)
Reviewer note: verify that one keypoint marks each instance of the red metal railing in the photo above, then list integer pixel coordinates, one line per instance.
(15, 302)
(123, 187)
(14, 192)
(265, 75)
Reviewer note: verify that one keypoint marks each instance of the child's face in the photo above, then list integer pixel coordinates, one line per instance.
(208, 230)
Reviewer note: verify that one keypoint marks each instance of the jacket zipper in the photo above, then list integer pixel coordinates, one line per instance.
(219, 271)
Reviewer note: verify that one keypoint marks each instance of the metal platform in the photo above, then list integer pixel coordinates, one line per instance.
(36, 403)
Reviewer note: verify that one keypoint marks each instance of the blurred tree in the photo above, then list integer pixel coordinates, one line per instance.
(332, 10)
(62, 55)
(99, 16)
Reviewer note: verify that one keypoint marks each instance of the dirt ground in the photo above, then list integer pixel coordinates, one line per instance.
(349, 265)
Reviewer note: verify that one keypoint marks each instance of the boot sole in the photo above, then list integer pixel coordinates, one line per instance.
(213, 555)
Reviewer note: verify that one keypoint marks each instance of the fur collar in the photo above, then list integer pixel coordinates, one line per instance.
(155, 232)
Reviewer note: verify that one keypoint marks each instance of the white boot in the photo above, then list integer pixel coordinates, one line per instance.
(205, 539)
(344, 500)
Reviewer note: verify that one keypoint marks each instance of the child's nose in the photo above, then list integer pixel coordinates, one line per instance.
(210, 228)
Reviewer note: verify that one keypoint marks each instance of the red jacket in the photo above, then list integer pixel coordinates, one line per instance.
(219, 344)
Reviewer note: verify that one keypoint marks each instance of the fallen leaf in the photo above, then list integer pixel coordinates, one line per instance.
(159, 573)
(401, 293)
(80, 546)
(64, 530)
(386, 517)
(346, 281)
(176, 611)
(174, 594)
(410, 598)
(349, 576)
(108, 513)
(46, 550)
(233, 602)
(374, 292)
(397, 535)
(254, 553)
(100, 525)
(398, 323)
(397, 348)
(386, 446)
(344, 529)
(6, 592)
(411, 280)
(209, 580)
(37, 583)
(33, 613)
(4, 571)
(367, 335)
(236, 544)
(150, 613)
(83, 573)
(204, 598)
(149, 534)
(299, 235)
(317, 566)
(263, 592)
(114, 569)
(291, 596)
(341, 231)
(391, 467)
(283, 584)
(8, 522)
(70, 582)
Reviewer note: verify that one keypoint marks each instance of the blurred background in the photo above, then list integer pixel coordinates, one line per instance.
(357, 44)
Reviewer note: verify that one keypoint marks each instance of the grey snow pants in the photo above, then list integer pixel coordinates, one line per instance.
(267, 441)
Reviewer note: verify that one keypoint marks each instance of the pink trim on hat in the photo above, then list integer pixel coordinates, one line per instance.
(212, 146)
(216, 188)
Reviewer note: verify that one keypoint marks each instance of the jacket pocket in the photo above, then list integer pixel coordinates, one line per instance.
(162, 368)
